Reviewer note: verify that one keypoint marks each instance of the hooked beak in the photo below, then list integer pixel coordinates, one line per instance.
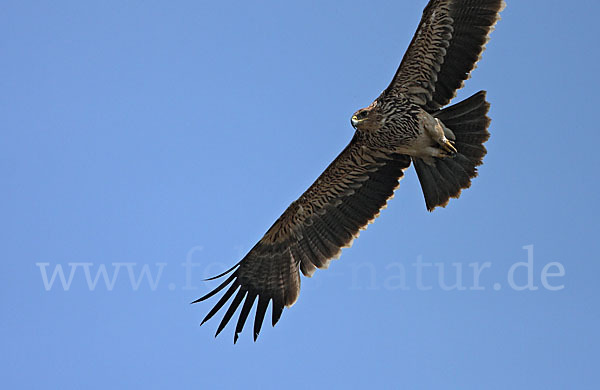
(354, 121)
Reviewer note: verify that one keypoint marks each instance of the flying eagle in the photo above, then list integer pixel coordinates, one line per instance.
(407, 122)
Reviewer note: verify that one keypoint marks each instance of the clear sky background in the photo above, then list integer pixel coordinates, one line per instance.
(141, 134)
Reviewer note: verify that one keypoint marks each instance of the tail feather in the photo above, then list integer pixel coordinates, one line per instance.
(445, 178)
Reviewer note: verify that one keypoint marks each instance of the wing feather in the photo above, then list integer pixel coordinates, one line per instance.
(241, 294)
(261, 309)
(244, 313)
(448, 44)
(326, 218)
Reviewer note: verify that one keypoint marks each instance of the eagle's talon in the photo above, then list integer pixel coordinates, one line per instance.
(448, 146)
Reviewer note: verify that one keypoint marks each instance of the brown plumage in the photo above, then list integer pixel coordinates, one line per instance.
(405, 123)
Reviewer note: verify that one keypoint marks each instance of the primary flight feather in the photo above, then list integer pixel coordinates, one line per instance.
(406, 123)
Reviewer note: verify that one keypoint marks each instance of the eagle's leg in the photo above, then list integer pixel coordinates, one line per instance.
(441, 134)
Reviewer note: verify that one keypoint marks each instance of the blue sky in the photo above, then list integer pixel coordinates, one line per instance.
(141, 135)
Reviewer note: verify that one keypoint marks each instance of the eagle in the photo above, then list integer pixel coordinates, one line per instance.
(408, 123)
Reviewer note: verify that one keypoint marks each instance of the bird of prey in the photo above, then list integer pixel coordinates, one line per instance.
(406, 123)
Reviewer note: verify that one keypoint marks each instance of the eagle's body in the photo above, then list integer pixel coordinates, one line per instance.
(405, 124)
(396, 124)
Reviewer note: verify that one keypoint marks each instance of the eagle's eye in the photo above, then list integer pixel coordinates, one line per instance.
(361, 115)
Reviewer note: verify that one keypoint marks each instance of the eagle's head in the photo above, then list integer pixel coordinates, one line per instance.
(364, 119)
(359, 117)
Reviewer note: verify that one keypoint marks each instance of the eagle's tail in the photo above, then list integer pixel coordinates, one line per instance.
(446, 177)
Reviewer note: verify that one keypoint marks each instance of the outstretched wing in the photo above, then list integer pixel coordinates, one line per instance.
(312, 231)
(445, 49)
